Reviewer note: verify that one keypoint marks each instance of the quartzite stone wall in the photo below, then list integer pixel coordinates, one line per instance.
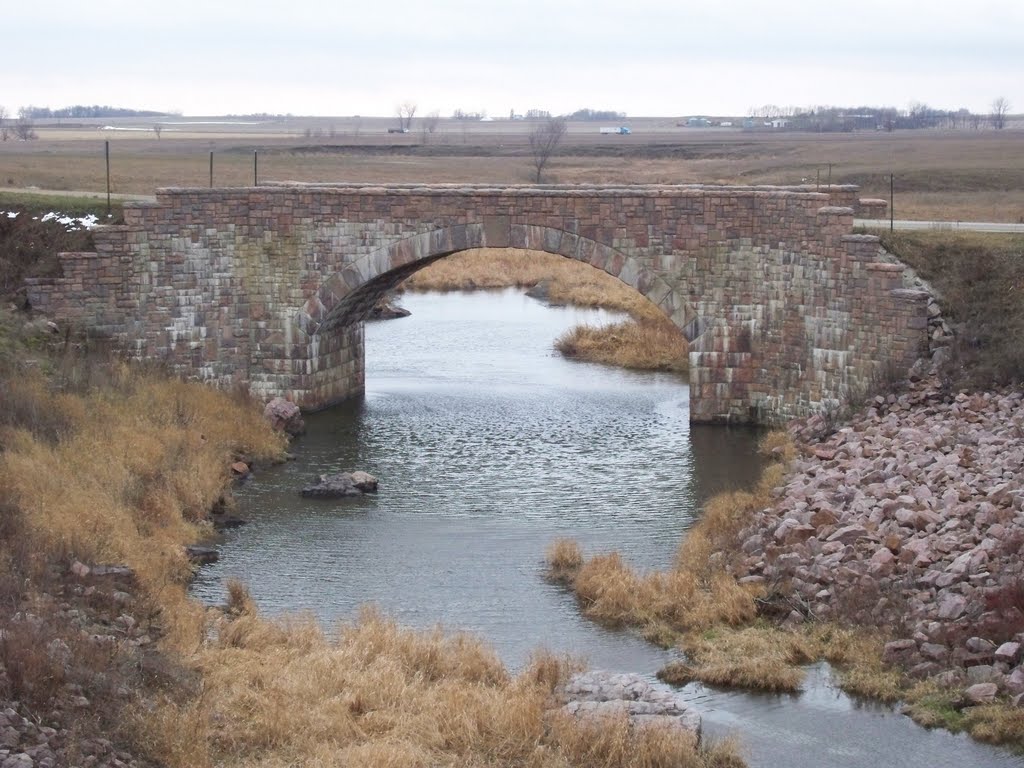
(269, 286)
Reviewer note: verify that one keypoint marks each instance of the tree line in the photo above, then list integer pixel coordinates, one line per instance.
(82, 110)
(917, 115)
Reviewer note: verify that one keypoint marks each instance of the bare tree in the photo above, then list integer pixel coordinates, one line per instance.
(544, 140)
(429, 124)
(405, 113)
(25, 129)
(1000, 109)
(157, 129)
(5, 129)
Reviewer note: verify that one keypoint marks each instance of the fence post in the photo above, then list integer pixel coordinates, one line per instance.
(106, 151)
(211, 169)
(255, 169)
(892, 202)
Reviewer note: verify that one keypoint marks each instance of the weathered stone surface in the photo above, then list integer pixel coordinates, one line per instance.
(785, 309)
(981, 693)
(600, 693)
(284, 416)
(1008, 653)
(898, 650)
(341, 485)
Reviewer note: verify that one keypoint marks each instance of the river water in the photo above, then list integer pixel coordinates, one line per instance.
(489, 446)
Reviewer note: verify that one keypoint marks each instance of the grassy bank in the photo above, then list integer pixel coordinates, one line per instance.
(116, 465)
(32, 234)
(980, 278)
(648, 341)
(742, 634)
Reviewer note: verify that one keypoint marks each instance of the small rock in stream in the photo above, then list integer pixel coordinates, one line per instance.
(341, 485)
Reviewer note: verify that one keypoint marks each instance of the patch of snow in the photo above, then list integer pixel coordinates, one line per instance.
(11, 214)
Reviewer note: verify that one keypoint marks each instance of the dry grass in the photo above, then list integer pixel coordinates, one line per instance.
(647, 345)
(753, 657)
(935, 707)
(284, 693)
(697, 593)
(564, 559)
(166, 449)
(763, 656)
(272, 693)
(567, 281)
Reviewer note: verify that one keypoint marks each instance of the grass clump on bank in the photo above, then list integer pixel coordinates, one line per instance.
(647, 341)
(644, 345)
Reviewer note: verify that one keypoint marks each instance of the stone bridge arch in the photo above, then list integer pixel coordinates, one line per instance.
(348, 295)
(785, 308)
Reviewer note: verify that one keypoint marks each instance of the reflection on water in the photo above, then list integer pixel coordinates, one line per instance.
(489, 446)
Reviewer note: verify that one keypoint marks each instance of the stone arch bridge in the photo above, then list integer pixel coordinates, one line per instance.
(784, 308)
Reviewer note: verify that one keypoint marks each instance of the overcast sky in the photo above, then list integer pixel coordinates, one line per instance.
(642, 57)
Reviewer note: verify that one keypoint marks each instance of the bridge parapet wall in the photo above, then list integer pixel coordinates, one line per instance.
(268, 286)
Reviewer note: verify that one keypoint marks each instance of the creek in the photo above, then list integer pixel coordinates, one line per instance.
(489, 446)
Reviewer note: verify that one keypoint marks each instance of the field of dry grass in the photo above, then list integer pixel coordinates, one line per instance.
(945, 175)
(648, 341)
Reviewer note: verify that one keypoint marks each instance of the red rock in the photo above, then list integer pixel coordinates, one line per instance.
(1008, 653)
(240, 468)
(898, 650)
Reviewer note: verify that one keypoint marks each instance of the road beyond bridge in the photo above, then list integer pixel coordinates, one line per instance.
(785, 309)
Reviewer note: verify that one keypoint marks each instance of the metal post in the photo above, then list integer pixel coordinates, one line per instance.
(255, 168)
(211, 170)
(106, 145)
(817, 179)
(892, 203)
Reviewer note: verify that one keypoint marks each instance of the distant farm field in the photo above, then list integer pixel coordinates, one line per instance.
(944, 175)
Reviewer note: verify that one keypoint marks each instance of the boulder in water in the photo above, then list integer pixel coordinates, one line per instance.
(284, 416)
(341, 485)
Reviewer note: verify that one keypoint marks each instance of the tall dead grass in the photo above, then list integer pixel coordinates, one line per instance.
(698, 592)
(280, 693)
(125, 473)
(650, 345)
